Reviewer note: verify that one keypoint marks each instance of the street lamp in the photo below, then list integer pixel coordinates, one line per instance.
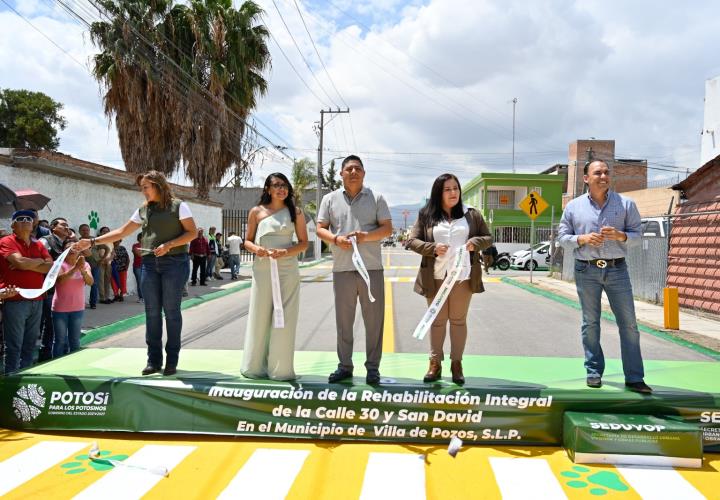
(336, 158)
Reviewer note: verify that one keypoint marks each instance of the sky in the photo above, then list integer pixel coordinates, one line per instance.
(429, 83)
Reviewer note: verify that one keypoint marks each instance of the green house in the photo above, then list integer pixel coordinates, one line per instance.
(497, 196)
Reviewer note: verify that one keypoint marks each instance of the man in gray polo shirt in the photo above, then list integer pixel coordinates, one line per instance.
(355, 210)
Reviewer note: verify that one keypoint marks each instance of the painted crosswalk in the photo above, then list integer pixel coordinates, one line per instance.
(33, 466)
(33, 461)
(138, 474)
(536, 476)
(394, 475)
(269, 473)
(662, 483)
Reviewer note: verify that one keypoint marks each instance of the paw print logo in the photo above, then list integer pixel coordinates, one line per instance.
(600, 483)
(83, 463)
(94, 219)
(29, 402)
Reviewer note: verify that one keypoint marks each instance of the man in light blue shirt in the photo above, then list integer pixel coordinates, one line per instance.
(599, 226)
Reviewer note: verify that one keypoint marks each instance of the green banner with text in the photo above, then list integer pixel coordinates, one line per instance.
(398, 413)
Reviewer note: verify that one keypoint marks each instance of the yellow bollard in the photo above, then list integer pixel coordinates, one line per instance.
(672, 308)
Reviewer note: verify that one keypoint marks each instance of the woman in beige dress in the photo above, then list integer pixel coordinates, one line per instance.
(269, 351)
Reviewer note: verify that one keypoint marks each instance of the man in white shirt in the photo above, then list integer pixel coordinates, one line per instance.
(234, 243)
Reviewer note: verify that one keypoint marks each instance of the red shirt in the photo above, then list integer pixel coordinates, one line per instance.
(22, 279)
(137, 259)
(200, 246)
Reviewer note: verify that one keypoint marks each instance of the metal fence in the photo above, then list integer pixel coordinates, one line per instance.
(519, 234)
(647, 266)
(236, 221)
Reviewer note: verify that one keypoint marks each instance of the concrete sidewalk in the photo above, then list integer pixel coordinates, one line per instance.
(117, 312)
(698, 330)
(106, 314)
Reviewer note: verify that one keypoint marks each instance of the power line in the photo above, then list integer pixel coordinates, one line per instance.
(295, 70)
(302, 56)
(429, 68)
(352, 132)
(302, 18)
(44, 35)
(177, 90)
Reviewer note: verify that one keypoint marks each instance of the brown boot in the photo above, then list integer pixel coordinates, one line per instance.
(434, 371)
(457, 373)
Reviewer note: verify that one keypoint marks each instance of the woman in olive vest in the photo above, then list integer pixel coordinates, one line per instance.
(167, 228)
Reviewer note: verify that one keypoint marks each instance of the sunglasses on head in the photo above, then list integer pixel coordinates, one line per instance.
(24, 218)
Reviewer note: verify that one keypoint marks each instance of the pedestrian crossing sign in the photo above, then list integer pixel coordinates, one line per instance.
(533, 205)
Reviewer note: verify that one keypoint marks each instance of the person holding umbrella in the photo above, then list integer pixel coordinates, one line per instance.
(167, 227)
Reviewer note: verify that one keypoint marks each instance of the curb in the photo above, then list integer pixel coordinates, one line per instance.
(611, 317)
(106, 331)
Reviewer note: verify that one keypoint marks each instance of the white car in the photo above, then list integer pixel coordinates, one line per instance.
(541, 257)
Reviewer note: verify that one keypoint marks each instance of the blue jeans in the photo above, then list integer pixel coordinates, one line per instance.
(47, 336)
(234, 265)
(67, 331)
(590, 282)
(21, 326)
(137, 271)
(94, 289)
(210, 272)
(163, 279)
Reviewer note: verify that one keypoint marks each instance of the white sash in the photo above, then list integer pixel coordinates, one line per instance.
(360, 266)
(50, 278)
(278, 312)
(455, 268)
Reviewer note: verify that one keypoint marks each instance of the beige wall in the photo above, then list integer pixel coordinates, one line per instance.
(652, 201)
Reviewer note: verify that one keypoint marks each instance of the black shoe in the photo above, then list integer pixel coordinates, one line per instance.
(193, 284)
(339, 375)
(203, 284)
(372, 378)
(594, 382)
(150, 369)
(640, 387)
(93, 306)
(169, 370)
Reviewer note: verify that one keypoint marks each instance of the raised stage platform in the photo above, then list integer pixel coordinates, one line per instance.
(505, 400)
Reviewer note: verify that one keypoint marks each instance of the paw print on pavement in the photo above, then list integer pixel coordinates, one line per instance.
(83, 463)
(600, 482)
(94, 219)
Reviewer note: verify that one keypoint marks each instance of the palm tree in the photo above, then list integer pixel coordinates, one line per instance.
(180, 80)
(303, 178)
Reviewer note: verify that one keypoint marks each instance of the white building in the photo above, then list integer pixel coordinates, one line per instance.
(85, 192)
(710, 146)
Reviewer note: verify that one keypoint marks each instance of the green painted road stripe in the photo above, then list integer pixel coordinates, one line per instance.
(611, 317)
(106, 331)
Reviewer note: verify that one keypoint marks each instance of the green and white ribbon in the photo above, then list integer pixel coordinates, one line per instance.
(360, 266)
(455, 268)
(278, 312)
(50, 279)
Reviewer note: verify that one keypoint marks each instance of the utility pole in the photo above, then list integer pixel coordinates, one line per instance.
(405, 214)
(514, 101)
(318, 187)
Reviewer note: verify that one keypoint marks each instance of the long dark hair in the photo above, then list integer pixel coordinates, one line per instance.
(161, 184)
(265, 198)
(432, 213)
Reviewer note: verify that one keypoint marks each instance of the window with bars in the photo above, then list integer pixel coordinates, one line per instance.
(501, 199)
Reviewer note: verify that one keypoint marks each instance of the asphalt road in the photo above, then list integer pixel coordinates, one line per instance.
(505, 320)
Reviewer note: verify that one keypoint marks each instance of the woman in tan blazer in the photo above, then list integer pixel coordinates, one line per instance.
(443, 225)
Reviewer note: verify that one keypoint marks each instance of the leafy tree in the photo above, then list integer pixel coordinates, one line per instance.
(330, 179)
(29, 120)
(303, 178)
(180, 79)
